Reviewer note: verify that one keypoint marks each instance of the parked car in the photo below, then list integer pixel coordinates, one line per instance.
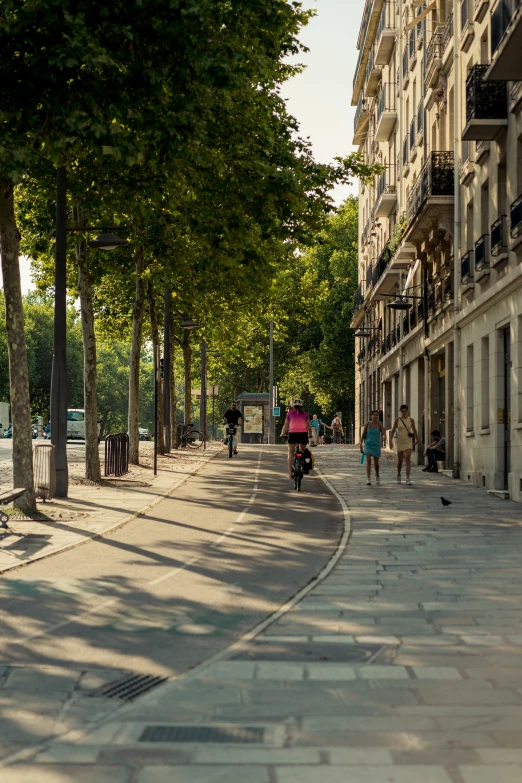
(144, 434)
(8, 433)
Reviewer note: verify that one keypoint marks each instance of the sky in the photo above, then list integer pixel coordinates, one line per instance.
(320, 96)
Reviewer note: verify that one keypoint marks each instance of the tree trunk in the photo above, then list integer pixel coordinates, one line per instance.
(154, 333)
(134, 364)
(90, 403)
(187, 362)
(17, 350)
(173, 397)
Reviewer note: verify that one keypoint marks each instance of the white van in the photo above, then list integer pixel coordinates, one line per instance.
(76, 423)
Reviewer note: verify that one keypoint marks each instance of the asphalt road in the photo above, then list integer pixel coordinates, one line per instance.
(173, 587)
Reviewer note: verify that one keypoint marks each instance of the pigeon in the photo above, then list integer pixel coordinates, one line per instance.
(445, 502)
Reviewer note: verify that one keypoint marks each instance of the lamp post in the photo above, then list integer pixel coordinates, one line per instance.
(203, 406)
(167, 348)
(215, 355)
(271, 401)
(188, 325)
(58, 407)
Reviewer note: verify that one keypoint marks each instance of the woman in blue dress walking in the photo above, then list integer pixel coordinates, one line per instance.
(372, 435)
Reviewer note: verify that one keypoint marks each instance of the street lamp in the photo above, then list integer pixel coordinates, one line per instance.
(189, 324)
(107, 242)
(59, 393)
(215, 355)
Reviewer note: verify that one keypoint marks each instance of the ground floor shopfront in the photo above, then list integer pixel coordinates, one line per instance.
(465, 380)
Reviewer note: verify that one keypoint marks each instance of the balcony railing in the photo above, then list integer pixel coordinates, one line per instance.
(387, 182)
(405, 63)
(412, 134)
(386, 100)
(358, 298)
(464, 14)
(499, 236)
(411, 44)
(435, 179)
(369, 276)
(515, 220)
(501, 18)
(431, 301)
(481, 252)
(421, 25)
(420, 312)
(413, 318)
(405, 150)
(420, 118)
(484, 100)
(466, 266)
(447, 33)
(406, 325)
(362, 108)
(433, 57)
(378, 269)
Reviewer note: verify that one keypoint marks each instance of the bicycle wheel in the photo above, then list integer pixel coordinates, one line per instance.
(298, 477)
(194, 439)
(230, 446)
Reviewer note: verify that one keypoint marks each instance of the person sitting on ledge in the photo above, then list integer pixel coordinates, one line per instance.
(435, 452)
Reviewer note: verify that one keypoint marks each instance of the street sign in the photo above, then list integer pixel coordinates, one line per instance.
(277, 412)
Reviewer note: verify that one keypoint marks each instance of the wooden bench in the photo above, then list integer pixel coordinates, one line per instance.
(7, 497)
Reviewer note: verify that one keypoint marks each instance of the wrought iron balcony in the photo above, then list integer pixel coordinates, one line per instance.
(420, 312)
(434, 57)
(506, 41)
(369, 276)
(435, 180)
(482, 253)
(405, 150)
(447, 33)
(405, 65)
(486, 106)
(362, 117)
(466, 267)
(386, 112)
(378, 269)
(358, 298)
(515, 220)
(499, 236)
(413, 139)
(373, 75)
(385, 38)
(420, 118)
(386, 195)
(413, 318)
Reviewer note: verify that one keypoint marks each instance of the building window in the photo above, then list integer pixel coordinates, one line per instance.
(470, 397)
(484, 368)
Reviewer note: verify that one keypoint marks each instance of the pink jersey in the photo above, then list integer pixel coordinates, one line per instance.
(298, 421)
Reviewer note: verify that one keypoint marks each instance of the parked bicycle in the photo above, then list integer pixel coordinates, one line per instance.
(189, 438)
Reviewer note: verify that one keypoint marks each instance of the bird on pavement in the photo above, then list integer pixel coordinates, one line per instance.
(445, 502)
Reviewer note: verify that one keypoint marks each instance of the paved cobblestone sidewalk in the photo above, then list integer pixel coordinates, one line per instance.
(92, 510)
(403, 666)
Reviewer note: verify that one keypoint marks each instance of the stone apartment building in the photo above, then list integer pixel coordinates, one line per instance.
(438, 90)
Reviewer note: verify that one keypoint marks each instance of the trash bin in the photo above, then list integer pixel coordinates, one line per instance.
(44, 471)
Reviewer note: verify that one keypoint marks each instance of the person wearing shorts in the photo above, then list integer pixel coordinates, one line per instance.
(406, 436)
(297, 425)
(316, 425)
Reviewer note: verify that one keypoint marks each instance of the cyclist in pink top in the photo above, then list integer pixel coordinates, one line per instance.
(297, 424)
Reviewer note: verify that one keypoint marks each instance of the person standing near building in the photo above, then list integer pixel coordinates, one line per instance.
(404, 432)
(371, 437)
(316, 425)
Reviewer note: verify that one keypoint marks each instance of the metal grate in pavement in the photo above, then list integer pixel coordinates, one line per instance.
(235, 734)
(128, 687)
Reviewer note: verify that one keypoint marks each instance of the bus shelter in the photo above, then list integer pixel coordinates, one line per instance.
(255, 410)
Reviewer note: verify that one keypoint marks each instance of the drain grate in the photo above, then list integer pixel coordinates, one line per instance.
(236, 734)
(129, 687)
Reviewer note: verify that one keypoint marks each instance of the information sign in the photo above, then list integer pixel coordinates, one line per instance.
(277, 412)
(253, 417)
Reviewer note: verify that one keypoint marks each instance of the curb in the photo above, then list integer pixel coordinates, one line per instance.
(100, 533)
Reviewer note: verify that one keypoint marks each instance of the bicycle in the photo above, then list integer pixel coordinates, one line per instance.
(193, 439)
(298, 468)
(230, 430)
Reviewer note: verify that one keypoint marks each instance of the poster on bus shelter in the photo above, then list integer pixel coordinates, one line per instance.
(253, 415)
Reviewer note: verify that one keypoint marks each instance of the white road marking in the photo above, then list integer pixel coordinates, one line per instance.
(152, 583)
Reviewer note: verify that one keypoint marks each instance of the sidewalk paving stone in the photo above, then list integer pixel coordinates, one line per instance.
(436, 597)
(94, 510)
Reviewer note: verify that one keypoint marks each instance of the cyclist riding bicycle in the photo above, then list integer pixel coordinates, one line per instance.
(233, 416)
(297, 424)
